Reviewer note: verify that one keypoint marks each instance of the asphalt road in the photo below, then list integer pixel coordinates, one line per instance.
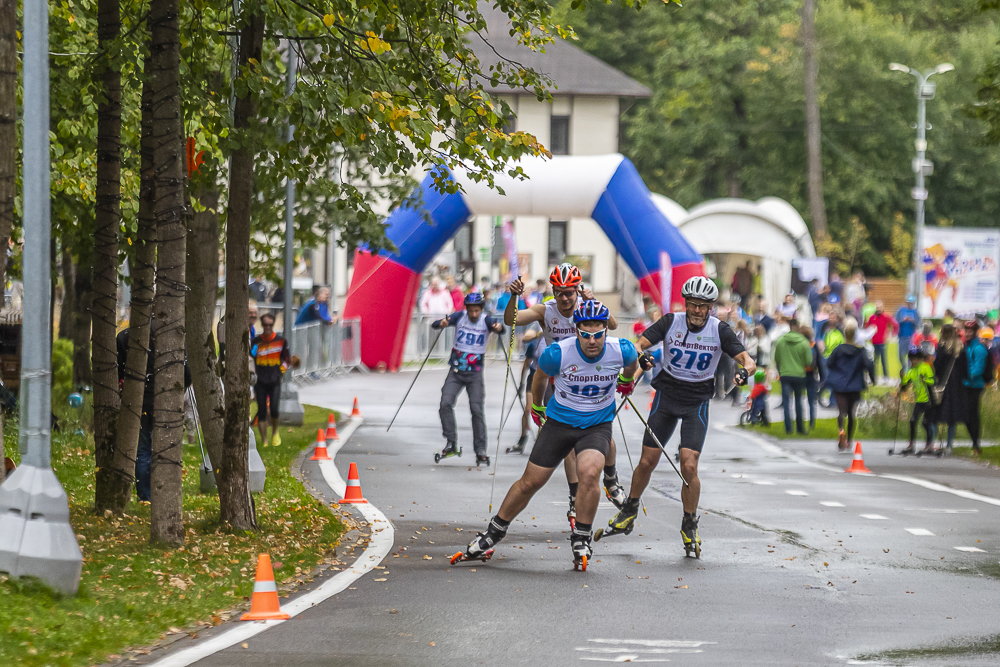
(802, 564)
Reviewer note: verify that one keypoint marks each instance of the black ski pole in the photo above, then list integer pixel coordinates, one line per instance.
(895, 431)
(433, 345)
(629, 454)
(656, 440)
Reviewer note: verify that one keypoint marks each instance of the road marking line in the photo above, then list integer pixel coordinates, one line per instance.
(661, 643)
(762, 482)
(831, 503)
(739, 476)
(625, 657)
(796, 492)
(379, 544)
(938, 511)
(940, 487)
(971, 550)
(874, 517)
(919, 531)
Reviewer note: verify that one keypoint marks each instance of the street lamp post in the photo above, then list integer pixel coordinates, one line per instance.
(925, 90)
(36, 538)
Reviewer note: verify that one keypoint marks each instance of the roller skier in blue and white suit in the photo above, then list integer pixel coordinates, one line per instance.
(588, 369)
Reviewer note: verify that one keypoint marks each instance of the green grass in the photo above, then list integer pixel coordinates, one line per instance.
(132, 593)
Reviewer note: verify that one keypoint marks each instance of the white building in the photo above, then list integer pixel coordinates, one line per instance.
(583, 118)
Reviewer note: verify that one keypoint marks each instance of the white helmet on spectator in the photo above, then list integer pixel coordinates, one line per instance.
(700, 287)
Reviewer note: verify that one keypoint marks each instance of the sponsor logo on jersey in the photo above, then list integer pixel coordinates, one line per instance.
(573, 369)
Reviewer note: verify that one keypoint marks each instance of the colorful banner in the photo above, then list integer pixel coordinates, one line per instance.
(961, 271)
(666, 276)
(509, 268)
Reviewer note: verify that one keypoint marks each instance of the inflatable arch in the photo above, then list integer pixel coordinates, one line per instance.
(606, 188)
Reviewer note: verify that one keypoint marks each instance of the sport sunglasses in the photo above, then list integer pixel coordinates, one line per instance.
(597, 335)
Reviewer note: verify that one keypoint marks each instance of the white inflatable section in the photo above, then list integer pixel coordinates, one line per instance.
(668, 207)
(564, 186)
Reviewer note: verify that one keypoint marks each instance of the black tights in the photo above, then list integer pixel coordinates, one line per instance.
(926, 411)
(846, 402)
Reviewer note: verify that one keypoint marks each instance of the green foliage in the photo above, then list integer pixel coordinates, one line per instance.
(727, 116)
(62, 371)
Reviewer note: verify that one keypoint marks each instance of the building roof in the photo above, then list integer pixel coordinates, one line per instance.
(573, 71)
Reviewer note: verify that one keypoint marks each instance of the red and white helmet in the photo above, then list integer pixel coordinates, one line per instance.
(565, 275)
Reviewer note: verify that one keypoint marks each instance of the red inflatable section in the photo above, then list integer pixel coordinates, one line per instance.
(650, 285)
(394, 288)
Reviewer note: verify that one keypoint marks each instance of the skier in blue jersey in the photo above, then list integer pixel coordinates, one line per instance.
(588, 369)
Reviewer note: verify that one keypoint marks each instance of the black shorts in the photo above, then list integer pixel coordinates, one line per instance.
(663, 420)
(556, 440)
(265, 391)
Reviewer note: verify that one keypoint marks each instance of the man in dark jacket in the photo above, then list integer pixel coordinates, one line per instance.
(845, 375)
(975, 369)
(144, 452)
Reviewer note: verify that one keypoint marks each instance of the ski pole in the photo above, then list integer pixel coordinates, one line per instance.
(629, 454)
(433, 345)
(511, 374)
(503, 401)
(656, 440)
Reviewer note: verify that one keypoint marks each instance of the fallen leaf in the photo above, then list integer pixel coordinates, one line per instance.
(426, 557)
(245, 645)
(432, 643)
(216, 620)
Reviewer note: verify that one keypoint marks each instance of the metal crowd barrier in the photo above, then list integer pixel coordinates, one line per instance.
(326, 350)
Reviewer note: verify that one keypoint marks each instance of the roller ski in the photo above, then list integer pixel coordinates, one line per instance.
(690, 536)
(571, 513)
(482, 547)
(482, 460)
(615, 492)
(931, 451)
(519, 447)
(582, 551)
(909, 451)
(451, 450)
(623, 523)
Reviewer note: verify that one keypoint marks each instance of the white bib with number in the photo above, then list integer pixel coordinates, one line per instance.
(556, 326)
(585, 385)
(691, 356)
(470, 337)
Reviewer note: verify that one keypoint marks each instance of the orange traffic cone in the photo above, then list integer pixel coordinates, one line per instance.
(320, 453)
(355, 412)
(264, 606)
(352, 496)
(331, 429)
(858, 464)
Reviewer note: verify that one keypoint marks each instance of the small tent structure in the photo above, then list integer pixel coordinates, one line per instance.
(768, 232)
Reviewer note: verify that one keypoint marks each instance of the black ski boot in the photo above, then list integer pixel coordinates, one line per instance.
(614, 491)
(690, 536)
(582, 551)
(451, 449)
(519, 447)
(624, 521)
(571, 513)
(481, 548)
(482, 460)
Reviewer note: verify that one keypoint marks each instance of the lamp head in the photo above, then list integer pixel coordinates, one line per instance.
(896, 67)
(944, 67)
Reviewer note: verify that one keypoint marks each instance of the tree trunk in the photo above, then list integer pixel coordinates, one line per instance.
(143, 272)
(167, 517)
(235, 501)
(817, 210)
(66, 308)
(8, 141)
(203, 280)
(105, 276)
(82, 297)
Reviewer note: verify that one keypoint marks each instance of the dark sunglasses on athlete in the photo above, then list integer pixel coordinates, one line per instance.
(596, 335)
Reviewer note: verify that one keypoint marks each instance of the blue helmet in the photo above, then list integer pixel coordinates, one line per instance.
(591, 311)
(474, 299)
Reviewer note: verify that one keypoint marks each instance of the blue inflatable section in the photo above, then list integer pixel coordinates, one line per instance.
(418, 241)
(636, 227)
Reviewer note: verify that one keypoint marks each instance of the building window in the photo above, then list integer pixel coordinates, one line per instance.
(557, 241)
(559, 135)
(510, 124)
(351, 247)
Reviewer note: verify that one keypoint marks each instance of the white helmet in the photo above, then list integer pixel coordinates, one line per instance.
(700, 287)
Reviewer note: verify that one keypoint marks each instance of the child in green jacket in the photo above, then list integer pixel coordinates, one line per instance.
(921, 376)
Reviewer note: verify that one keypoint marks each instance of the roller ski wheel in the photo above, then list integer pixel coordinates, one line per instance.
(460, 556)
(519, 447)
(482, 461)
(601, 533)
(447, 453)
(691, 538)
(582, 551)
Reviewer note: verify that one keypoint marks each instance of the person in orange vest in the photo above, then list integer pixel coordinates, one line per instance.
(272, 358)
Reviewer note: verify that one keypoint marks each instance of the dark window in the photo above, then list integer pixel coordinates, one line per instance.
(559, 135)
(557, 241)
(510, 126)
(350, 254)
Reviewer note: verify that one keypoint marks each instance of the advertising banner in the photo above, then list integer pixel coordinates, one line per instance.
(509, 268)
(961, 271)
